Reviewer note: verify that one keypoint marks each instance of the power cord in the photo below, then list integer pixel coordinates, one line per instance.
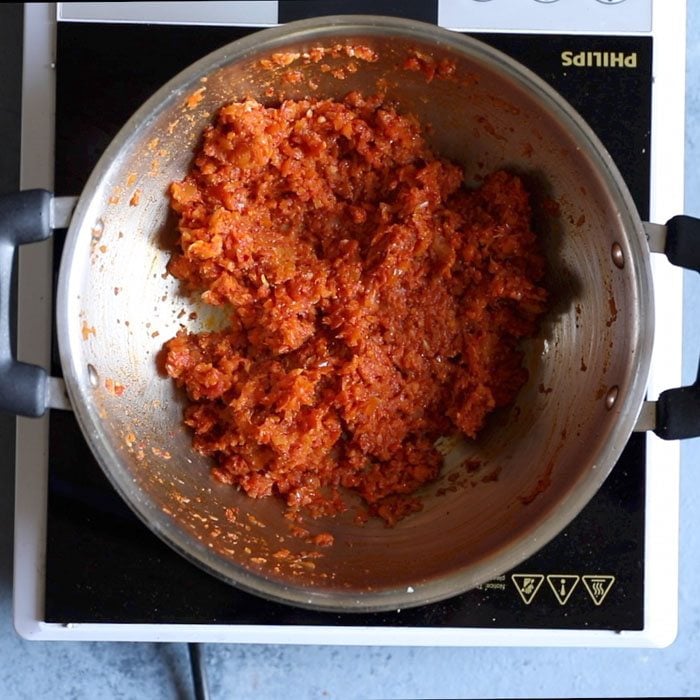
(199, 671)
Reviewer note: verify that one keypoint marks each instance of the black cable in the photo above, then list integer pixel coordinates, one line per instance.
(199, 671)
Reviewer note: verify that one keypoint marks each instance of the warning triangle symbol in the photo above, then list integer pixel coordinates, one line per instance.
(598, 586)
(563, 586)
(527, 585)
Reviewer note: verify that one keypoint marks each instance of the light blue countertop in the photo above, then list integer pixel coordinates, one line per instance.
(148, 670)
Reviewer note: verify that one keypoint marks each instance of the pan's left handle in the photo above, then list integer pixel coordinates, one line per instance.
(25, 217)
(676, 414)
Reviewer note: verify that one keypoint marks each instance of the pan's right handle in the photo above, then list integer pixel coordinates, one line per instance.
(678, 410)
(25, 217)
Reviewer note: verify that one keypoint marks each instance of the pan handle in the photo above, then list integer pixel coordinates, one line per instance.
(25, 217)
(678, 410)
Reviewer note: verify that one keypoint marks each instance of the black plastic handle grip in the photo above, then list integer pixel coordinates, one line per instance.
(678, 410)
(24, 218)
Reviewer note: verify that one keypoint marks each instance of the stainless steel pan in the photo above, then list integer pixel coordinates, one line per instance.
(588, 368)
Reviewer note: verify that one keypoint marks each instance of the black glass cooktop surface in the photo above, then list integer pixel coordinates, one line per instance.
(103, 565)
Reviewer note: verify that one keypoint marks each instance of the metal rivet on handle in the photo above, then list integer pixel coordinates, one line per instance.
(611, 397)
(92, 375)
(618, 256)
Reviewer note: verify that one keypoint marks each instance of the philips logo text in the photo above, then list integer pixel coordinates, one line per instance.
(599, 59)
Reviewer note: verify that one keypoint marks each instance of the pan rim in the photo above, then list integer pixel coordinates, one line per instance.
(531, 539)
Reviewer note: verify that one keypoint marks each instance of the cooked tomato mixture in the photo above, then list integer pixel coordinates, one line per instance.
(374, 303)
